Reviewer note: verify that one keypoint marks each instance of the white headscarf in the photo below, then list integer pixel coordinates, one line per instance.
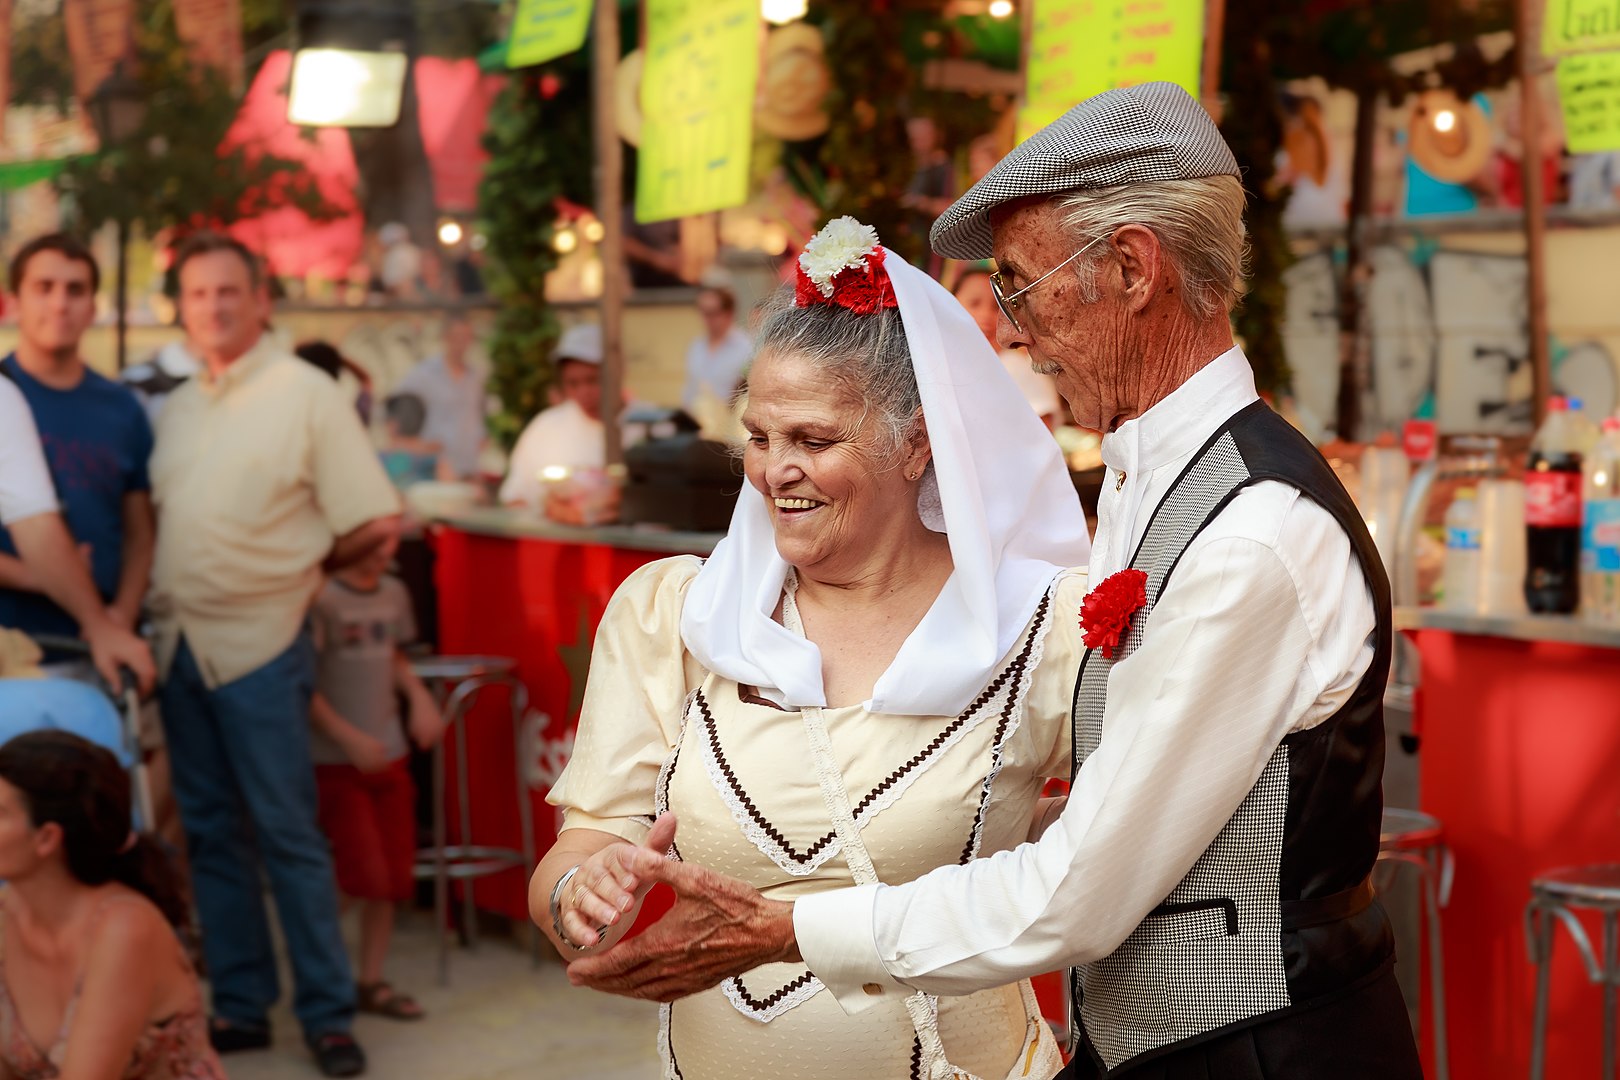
(1009, 510)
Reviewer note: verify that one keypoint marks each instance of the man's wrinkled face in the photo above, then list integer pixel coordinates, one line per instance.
(1083, 345)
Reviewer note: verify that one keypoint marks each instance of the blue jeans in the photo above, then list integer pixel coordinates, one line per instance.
(246, 789)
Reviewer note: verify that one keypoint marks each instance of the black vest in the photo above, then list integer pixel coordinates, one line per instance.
(1277, 914)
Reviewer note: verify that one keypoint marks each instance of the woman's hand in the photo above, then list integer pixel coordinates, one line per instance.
(1047, 810)
(603, 890)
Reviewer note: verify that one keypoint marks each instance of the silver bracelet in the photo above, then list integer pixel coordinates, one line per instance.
(556, 913)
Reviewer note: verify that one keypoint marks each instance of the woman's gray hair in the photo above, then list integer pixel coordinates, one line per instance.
(1199, 223)
(867, 354)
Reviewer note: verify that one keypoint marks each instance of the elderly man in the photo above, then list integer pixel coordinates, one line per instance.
(263, 477)
(1207, 878)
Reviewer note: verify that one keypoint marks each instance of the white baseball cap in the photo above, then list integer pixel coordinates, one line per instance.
(581, 342)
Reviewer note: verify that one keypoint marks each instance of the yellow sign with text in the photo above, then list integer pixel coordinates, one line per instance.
(1576, 25)
(1078, 48)
(697, 105)
(1589, 90)
(546, 29)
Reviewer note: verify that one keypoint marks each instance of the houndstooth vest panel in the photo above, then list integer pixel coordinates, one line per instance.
(1277, 912)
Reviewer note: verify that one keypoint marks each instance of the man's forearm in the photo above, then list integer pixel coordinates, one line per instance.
(49, 553)
(15, 574)
(356, 544)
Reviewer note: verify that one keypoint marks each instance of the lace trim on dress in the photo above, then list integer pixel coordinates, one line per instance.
(1012, 715)
(666, 1053)
(780, 1001)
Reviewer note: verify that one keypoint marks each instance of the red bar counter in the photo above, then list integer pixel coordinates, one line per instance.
(513, 584)
(1519, 720)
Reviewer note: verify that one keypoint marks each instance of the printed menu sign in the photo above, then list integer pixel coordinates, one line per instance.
(1589, 90)
(697, 104)
(546, 29)
(1078, 48)
(1573, 25)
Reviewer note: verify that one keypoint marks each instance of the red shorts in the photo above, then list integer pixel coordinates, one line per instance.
(371, 820)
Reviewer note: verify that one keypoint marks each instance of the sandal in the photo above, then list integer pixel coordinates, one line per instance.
(383, 1000)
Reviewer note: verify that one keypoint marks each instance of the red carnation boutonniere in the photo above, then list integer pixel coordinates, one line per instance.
(1105, 613)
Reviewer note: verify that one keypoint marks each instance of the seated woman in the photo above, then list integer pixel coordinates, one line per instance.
(94, 982)
(870, 677)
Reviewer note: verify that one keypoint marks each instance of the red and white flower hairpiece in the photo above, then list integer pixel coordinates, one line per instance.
(843, 265)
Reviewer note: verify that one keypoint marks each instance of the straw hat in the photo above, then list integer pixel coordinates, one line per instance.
(627, 97)
(793, 82)
(1456, 155)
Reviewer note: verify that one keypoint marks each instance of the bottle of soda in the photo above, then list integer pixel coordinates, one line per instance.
(1600, 532)
(1552, 515)
(1463, 577)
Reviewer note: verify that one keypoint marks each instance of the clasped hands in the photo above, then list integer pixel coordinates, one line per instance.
(719, 926)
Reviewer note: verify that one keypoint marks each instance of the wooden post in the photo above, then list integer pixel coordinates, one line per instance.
(1354, 361)
(1209, 76)
(123, 291)
(610, 210)
(1535, 206)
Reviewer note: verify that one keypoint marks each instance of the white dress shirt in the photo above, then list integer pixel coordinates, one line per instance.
(25, 481)
(455, 407)
(562, 435)
(1265, 628)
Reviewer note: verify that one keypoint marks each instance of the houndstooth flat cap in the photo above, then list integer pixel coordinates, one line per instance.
(1132, 135)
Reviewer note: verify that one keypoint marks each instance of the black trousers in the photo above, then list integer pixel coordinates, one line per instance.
(1365, 1035)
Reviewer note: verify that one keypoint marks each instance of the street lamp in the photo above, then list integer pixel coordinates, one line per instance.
(117, 107)
(118, 111)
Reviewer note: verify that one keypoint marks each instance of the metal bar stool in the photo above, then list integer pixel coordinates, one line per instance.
(1411, 838)
(455, 682)
(1557, 895)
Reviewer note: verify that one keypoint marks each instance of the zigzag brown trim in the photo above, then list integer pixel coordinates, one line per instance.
(771, 999)
(1016, 669)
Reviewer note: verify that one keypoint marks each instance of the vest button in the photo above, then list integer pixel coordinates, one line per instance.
(872, 990)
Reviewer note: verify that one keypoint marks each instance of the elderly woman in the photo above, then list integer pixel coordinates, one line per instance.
(871, 676)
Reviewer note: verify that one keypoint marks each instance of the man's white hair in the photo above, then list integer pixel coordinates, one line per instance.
(1198, 222)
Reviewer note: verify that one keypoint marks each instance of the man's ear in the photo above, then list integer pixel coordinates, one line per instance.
(1142, 265)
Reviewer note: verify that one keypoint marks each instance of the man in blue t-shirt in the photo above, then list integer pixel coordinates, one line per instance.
(96, 439)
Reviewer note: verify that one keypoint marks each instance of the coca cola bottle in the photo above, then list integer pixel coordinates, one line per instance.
(1552, 515)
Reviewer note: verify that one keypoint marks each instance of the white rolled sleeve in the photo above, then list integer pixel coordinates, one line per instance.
(25, 482)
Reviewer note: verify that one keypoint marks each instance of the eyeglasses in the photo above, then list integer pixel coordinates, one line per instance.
(1009, 302)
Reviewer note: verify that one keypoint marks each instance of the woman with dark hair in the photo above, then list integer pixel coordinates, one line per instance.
(88, 925)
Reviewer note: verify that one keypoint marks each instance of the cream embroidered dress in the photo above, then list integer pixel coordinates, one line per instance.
(659, 732)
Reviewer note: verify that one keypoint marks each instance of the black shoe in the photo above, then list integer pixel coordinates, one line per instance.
(227, 1037)
(338, 1054)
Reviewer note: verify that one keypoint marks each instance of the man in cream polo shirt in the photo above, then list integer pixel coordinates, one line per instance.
(263, 478)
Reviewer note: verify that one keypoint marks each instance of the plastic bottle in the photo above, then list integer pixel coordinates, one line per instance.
(1463, 568)
(1552, 515)
(1583, 433)
(1600, 528)
(1501, 546)
(1384, 476)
